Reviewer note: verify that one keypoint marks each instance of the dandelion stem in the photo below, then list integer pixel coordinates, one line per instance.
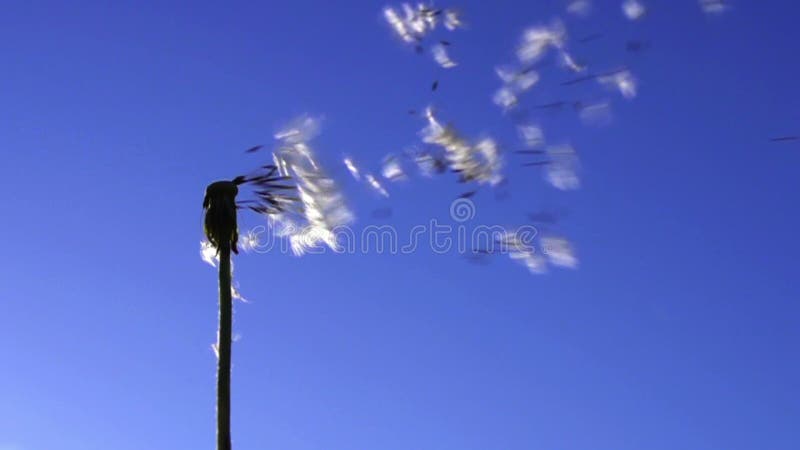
(220, 228)
(224, 336)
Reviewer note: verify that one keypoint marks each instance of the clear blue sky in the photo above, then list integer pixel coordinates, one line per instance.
(680, 329)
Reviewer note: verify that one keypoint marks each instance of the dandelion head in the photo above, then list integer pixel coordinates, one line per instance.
(220, 214)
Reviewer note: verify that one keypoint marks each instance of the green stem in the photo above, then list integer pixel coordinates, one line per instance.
(224, 337)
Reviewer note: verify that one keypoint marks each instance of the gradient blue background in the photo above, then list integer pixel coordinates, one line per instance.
(679, 329)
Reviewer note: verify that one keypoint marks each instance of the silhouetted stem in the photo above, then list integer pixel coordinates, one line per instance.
(220, 228)
(224, 338)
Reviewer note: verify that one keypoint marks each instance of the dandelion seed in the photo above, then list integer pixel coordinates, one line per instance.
(633, 9)
(785, 139)
(597, 114)
(505, 98)
(414, 21)
(519, 248)
(236, 295)
(535, 262)
(392, 169)
(714, 6)
(517, 81)
(557, 105)
(535, 43)
(580, 8)
(250, 241)
(561, 173)
(579, 80)
(310, 237)
(506, 74)
(299, 131)
(623, 81)
(559, 252)
(468, 194)
(537, 40)
(376, 185)
(351, 167)
(569, 63)
(209, 253)
(429, 16)
(489, 162)
(531, 135)
(441, 57)
(514, 240)
(400, 25)
(452, 19)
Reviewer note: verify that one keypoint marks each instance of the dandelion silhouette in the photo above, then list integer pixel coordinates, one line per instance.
(220, 219)
(221, 230)
(295, 193)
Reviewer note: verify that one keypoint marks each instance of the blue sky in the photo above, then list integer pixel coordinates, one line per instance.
(678, 330)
